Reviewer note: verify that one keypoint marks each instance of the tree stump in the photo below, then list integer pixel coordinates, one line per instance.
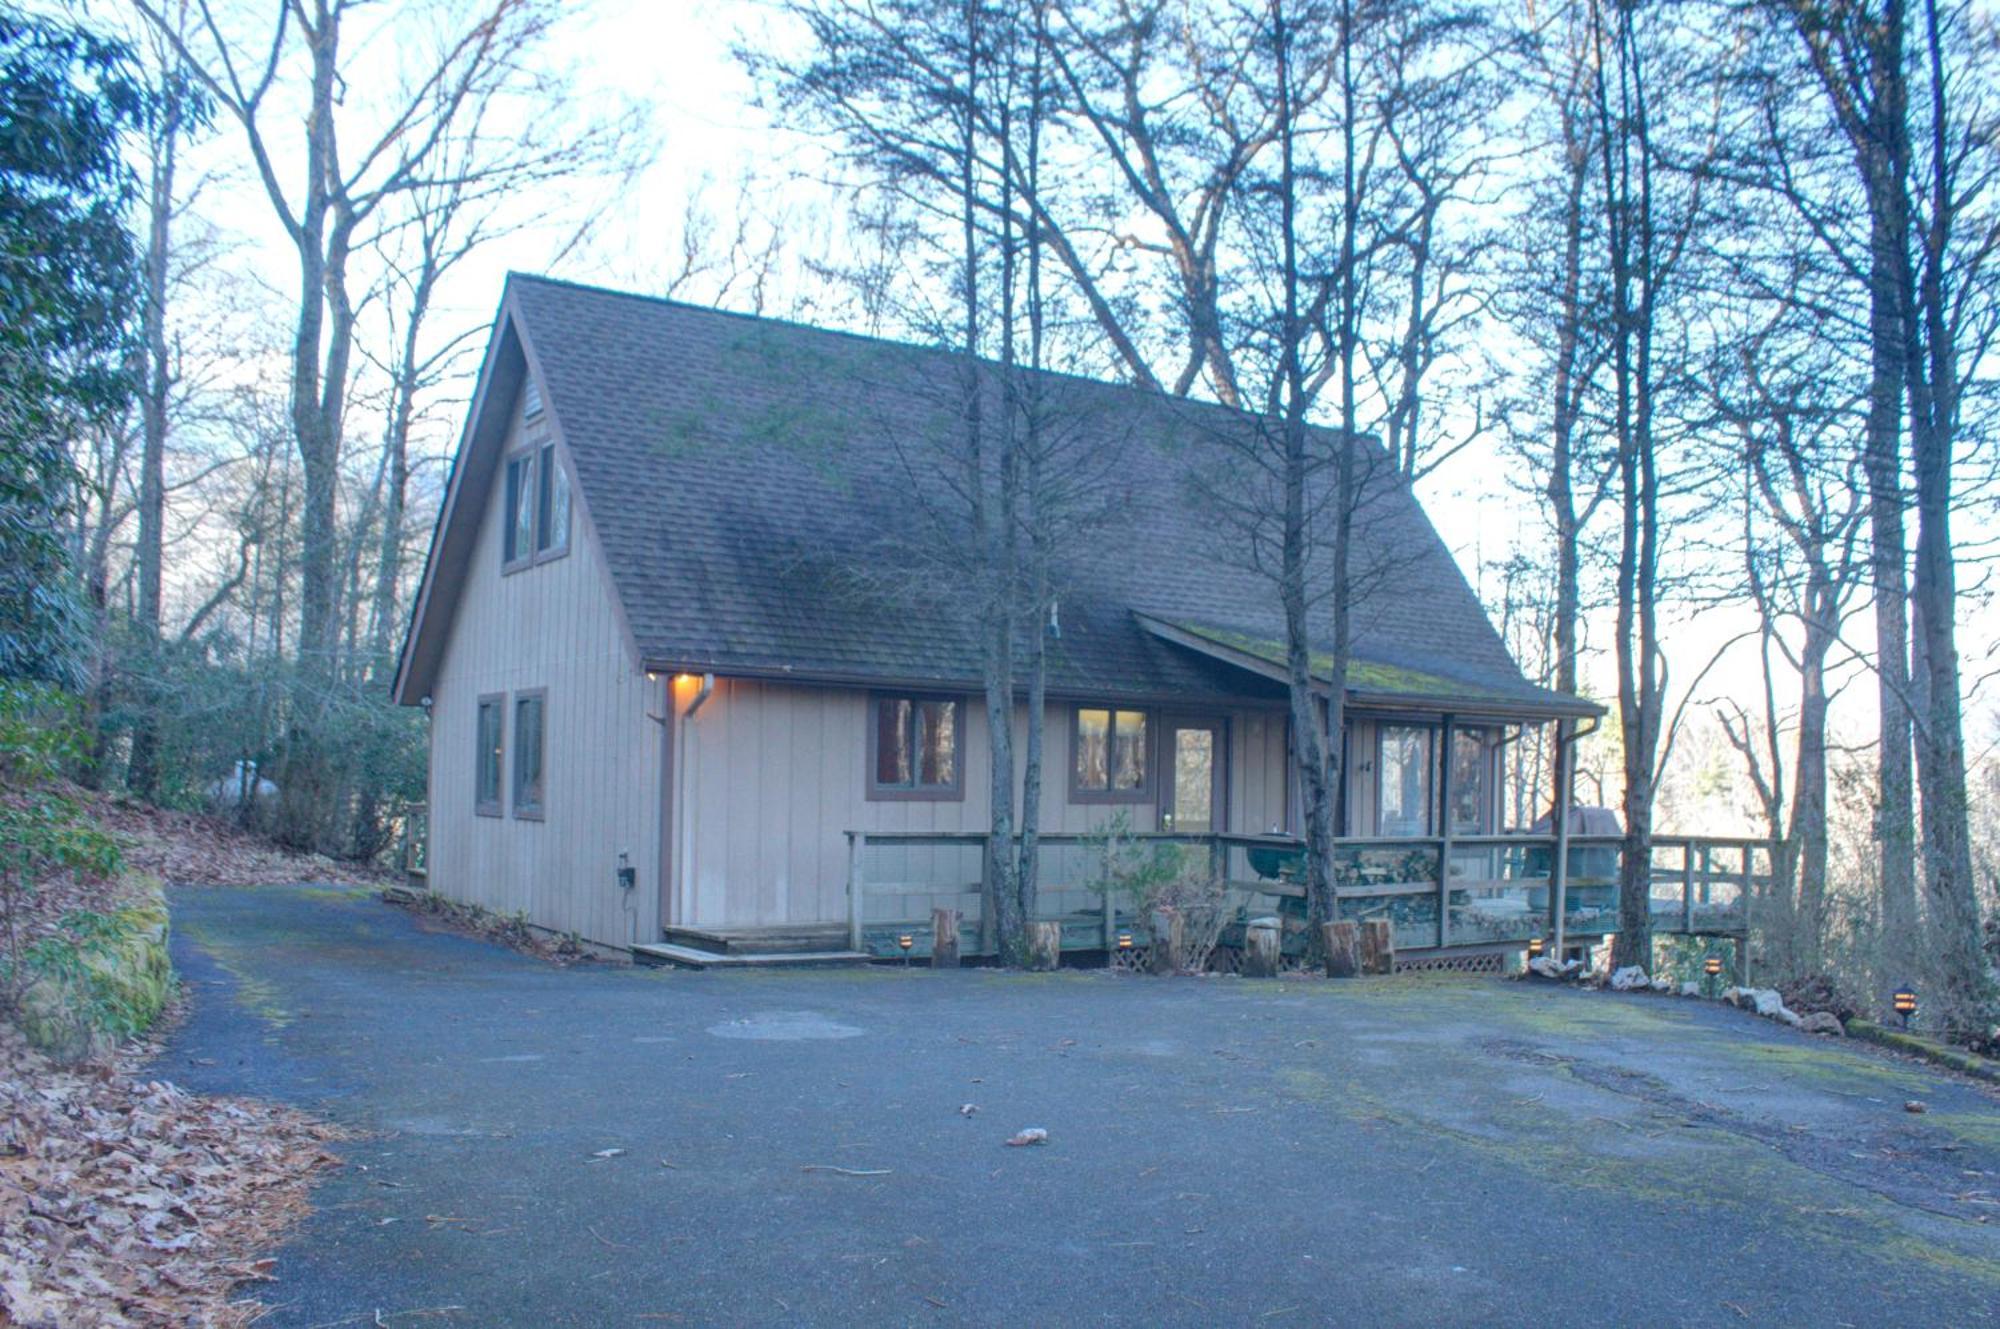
(1378, 946)
(1261, 941)
(1342, 943)
(944, 938)
(1044, 946)
(1169, 933)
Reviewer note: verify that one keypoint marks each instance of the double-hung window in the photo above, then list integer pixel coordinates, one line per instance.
(538, 507)
(913, 748)
(1111, 756)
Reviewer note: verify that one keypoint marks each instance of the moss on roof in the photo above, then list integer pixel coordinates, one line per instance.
(1362, 675)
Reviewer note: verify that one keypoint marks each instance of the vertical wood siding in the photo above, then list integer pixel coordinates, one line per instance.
(770, 776)
(552, 626)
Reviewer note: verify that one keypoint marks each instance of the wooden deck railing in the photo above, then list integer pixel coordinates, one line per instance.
(1440, 892)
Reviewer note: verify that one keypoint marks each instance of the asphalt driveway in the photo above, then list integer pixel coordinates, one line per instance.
(606, 1146)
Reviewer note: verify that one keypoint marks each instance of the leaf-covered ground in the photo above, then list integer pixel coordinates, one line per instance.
(195, 849)
(125, 1201)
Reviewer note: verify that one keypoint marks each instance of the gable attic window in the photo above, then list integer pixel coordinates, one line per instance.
(913, 748)
(530, 717)
(538, 508)
(1110, 756)
(486, 772)
(531, 398)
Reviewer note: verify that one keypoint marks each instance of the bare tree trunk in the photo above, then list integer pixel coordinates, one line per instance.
(142, 774)
(1625, 144)
(1561, 487)
(1933, 385)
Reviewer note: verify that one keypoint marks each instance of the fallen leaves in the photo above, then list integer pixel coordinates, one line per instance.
(188, 848)
(126, 1201)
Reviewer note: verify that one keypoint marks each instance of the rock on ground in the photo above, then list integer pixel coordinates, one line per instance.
(1629, 979)
(1823, 1022)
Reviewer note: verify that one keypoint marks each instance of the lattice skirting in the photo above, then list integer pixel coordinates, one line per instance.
(1481, 962)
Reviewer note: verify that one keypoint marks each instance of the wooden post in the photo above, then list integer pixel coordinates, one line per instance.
(1169, 937)
(944, 938)
(1110, 920)
(1446, 737)
(1260, 948)
(1559, 878)
(1687, 887)
(1342, 944)
(1378, 946)
(1749, 886)
(856, 841)
(1044, 946)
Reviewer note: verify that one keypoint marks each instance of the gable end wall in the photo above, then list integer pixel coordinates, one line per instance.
(552, 626)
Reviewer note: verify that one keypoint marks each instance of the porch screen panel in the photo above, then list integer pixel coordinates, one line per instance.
(1404, 766)
(1470, 796)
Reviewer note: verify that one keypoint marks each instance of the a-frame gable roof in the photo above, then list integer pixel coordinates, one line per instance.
(762, 491)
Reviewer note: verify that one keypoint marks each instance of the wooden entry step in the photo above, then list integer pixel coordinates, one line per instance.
(693, 957)
(791, 939)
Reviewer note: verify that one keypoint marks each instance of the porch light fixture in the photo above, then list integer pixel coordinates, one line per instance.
(1905, 1001)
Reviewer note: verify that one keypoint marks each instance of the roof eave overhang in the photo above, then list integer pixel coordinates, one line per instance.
(834, 678)
(1470, 705)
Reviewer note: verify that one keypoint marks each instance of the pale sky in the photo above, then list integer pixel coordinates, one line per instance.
(673, 57)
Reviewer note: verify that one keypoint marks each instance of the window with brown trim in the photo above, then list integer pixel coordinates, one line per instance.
(486, 776)
(1110, 755)
(530, 752)
(538, 508)
(913, 747)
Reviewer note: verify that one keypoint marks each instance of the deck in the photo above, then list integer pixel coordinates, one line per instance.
(1457, 895)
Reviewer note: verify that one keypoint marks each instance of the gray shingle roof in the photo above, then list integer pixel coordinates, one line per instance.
(753, 481)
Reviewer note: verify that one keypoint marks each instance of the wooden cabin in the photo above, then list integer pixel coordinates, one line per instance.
(689, 623)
